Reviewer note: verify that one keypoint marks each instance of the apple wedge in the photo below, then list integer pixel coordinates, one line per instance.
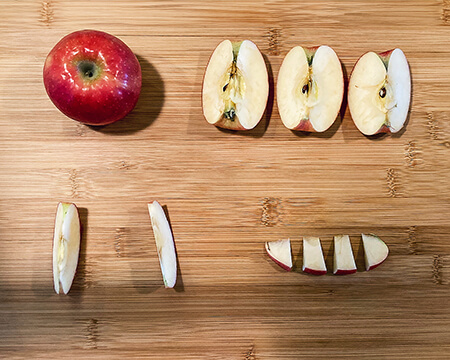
(66, 246)
(344, 262)
(375, 251)
(164, 244)
(313, 261)
(310, 88)
(235, 86)
(280, 252)
(380, 92)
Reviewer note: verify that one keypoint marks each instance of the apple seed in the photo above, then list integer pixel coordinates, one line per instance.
(305, 88)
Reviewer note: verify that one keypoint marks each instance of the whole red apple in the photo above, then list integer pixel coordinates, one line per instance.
(92, 77)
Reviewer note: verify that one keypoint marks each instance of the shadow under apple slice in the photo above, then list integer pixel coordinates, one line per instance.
(82, 279)
(179, 285)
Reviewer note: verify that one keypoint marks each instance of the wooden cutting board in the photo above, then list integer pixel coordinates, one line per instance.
(226, 193)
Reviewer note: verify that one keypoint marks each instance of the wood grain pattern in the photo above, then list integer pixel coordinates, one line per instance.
(226, 193)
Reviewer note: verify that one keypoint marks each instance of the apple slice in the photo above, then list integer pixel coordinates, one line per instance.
(379, 92)
(235, 86)
(280, 252)
(164, 244)
(344, 262)
(375, 251)
(66, 246)
(310, 88)
(313, 261)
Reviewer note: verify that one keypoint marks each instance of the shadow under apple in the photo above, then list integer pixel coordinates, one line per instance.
(148, 107)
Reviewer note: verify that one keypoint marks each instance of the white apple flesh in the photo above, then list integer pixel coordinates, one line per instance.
(375, 251)
(379, 92)
(165, 245)
(280, 252)
(66, 246)
(310, 88)
(313, 261)
(235, 86)
(344, 262)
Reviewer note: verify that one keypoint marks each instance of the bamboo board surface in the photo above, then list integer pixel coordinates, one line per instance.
(226, 193)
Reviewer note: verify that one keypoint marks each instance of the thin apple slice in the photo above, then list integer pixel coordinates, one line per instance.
(375, 251)
(280, 252)
(66, 246)
(310, 88)
(344, 262)
(379, 92)
(164, 244)
(313, 261)
(235, 86)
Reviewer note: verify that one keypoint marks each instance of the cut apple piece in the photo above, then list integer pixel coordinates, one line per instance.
(235, 86)
(280, 252)
(375, 251)
(313, 261)
(66, 246)
(379, 92)
(165, 245)
(344, 262)
(310, 88)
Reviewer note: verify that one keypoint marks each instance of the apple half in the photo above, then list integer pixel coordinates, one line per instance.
(313, 261)
(344, 262)
(280, 252)
(235, 86)
(310, 88)
(165, 245)
(375, 251)
(66, 246)
(380, 92)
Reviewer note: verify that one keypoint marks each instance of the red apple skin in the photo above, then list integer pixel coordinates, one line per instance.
(305, 125)
(310, 51)
(345, 272)
(280, 264)
(376, 265)
(314, 272)
(384, 129)
(385, 55)
(106, 97)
